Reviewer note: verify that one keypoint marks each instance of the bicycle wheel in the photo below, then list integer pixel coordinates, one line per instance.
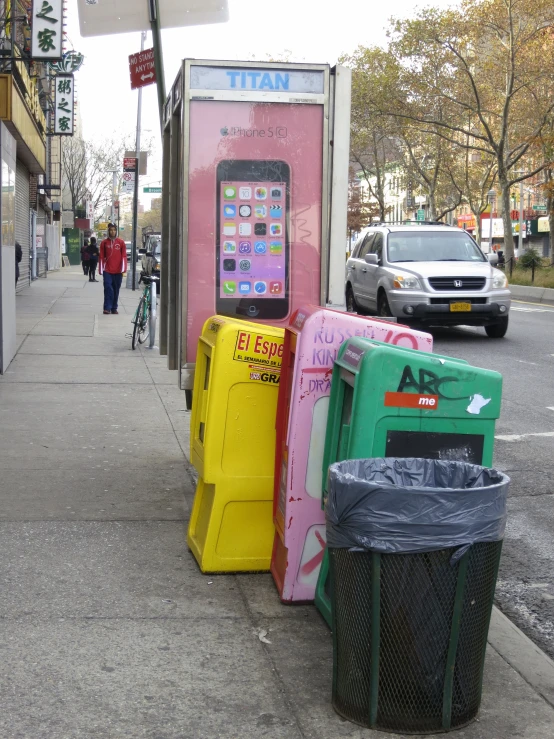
(144, 328)
(139, 319)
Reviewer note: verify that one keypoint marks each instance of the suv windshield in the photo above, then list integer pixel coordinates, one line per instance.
(433, 247)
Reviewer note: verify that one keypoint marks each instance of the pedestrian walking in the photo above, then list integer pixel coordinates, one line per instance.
(112, 265)
(93, 254)
(18, 258)
(85, 257)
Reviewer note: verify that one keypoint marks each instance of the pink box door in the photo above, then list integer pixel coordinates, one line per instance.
(312, 342)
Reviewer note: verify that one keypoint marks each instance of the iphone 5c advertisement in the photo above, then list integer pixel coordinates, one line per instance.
(254, 211)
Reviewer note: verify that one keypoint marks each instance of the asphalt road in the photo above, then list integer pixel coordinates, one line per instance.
(524, 449)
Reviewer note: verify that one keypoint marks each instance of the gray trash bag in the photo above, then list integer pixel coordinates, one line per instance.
(408, 505)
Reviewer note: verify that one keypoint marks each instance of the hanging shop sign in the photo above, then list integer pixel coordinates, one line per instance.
(47, 18)
(64, 105)
(70, 63)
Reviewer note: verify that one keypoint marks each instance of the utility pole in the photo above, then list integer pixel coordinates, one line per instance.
(154, 15)
(135, 198)
(114, 186)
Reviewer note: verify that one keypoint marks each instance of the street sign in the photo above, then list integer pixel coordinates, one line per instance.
(420, 214)
(129, 164)
(101, 226)
(142, 68)
(128, 182)
(143, 160)
(152, 189)
(540, 207)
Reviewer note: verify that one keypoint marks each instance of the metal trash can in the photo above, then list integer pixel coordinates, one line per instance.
(414, 548)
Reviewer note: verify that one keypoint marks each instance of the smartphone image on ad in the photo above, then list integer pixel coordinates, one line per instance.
(252, 238)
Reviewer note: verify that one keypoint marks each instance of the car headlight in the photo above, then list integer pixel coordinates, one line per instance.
(499, 280)
(406, 282)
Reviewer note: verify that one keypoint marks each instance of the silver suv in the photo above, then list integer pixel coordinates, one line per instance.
(433, 274)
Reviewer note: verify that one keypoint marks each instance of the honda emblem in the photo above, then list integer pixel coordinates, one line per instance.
(457, 283)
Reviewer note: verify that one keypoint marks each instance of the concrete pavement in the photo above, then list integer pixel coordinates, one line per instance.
(108, 627)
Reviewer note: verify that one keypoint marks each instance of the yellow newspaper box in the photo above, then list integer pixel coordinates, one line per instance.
(234, 407)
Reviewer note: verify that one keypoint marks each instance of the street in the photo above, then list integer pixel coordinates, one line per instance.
(523, 449)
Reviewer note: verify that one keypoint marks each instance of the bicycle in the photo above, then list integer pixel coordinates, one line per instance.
(144, 319)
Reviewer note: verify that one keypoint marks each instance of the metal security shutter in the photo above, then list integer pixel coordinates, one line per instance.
(22, 222)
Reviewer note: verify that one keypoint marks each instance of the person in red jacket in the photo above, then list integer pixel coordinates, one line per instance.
(112, 265)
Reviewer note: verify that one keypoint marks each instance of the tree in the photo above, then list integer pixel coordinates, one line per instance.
(85, 168)
(152, 217)
(373, 146)
(494, 91)
(474, 176)
(429, 163)
(382, 142)
(360, 211)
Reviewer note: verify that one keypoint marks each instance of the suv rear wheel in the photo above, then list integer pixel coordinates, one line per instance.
(497, 330)
(383, 307)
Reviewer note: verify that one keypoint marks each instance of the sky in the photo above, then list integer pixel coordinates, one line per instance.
(313, 31)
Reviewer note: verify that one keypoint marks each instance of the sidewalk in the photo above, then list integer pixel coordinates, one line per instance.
(108, 627)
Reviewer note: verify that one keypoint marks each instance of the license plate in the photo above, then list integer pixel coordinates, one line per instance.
(460, 307)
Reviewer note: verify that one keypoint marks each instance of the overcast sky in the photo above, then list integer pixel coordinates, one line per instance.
(312, 30)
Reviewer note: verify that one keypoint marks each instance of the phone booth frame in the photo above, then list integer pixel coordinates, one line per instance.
(182, 316)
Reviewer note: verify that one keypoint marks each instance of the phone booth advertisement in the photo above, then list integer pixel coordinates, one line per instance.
(254, 192)
(312, 343)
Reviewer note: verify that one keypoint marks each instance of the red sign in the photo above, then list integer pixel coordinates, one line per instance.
(411, 400)
(129, 164)
(142, 68)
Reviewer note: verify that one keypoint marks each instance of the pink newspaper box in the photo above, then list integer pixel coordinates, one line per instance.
(312, 341)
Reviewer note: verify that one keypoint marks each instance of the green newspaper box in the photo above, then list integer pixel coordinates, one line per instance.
(387, 401)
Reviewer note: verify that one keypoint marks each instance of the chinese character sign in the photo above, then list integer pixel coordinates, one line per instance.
(64, 104)
(47, 29)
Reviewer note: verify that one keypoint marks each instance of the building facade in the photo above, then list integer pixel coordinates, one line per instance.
(30, 168)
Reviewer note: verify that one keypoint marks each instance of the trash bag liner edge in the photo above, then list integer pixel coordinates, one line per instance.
(408, 505)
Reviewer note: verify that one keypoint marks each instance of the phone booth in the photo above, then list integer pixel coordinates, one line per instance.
(233, 444)
(388, 401)
(311, 346)
(251, 220)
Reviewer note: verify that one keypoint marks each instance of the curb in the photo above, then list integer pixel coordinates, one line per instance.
(532, 294)
(523, 655)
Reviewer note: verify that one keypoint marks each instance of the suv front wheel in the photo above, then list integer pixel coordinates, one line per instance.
(497, 330)
(383, 307)
(351, 305)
